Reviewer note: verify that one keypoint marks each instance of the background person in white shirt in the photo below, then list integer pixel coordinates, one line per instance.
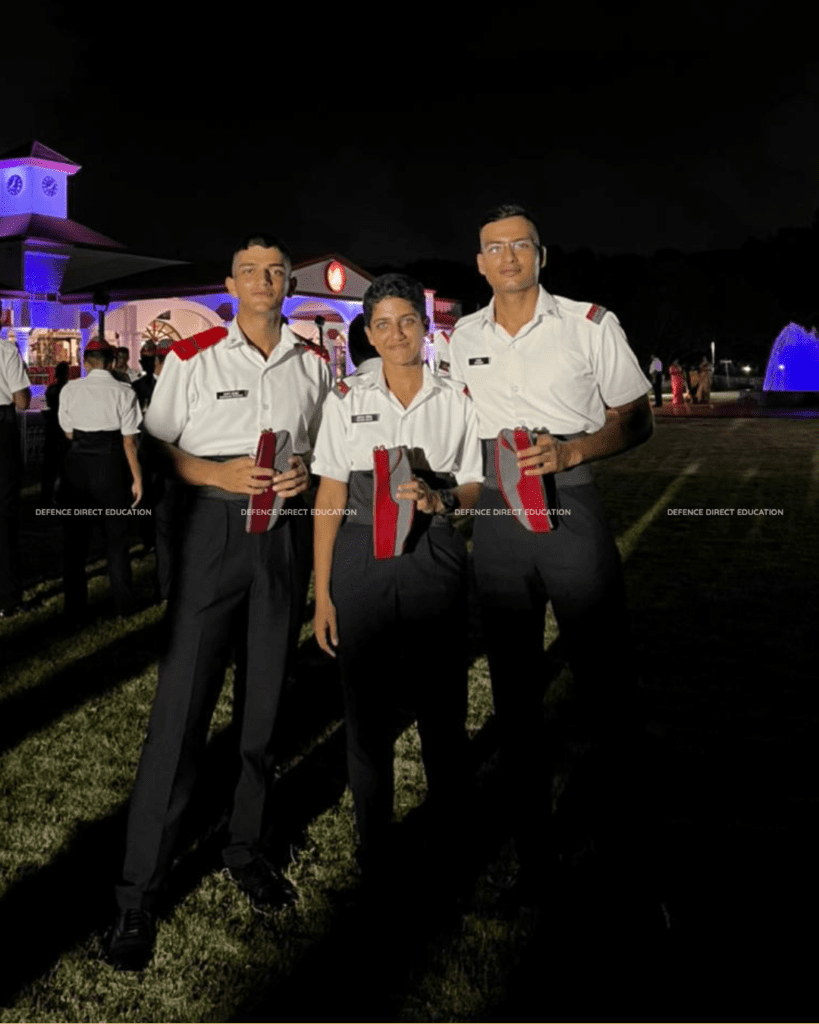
(100, 416)
(15, 394)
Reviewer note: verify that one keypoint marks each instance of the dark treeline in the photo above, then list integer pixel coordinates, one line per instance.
(674, 303)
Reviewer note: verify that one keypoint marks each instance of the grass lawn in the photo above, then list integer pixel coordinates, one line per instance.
(723, 610)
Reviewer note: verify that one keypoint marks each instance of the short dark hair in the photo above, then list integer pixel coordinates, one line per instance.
(267, 241)
(394, 286)
(358, 345)
(509, 210)
(100, 360)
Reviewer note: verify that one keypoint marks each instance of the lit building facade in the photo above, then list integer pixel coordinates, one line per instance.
(59, 279)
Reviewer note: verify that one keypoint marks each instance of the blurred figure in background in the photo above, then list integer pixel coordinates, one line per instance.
(363, 355)
(704, 386)
(15, 394)
(101, 473)
(655, 372)
(144, 384)
(56, 444)
(679, 392)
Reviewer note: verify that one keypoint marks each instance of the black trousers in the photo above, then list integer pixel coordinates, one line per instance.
(402, 647)
(94, 483)
(232, 588)
(11, 470)
(576, 567)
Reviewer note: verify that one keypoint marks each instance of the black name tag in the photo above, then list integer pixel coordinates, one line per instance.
(231, 394)
(365, 417)
(479, 361)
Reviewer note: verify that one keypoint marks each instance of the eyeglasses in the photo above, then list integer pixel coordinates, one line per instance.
(523, 246)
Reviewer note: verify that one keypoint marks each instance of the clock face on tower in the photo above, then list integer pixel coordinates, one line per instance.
(50, 186)
(14, 185)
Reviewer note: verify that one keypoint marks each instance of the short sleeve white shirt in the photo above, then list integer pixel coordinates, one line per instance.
(99, 402)
(439, 426)
(219, 400)
(560, 372)
(13, 375)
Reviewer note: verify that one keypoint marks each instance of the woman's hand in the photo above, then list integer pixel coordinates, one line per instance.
(424, 497)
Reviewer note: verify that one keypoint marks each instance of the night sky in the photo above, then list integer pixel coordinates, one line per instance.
(385, 143)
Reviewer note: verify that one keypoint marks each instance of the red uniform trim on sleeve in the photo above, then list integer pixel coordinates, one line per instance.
(342, 388)
(187, 348)
(596, 313)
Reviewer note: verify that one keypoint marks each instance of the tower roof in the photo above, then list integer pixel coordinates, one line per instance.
(36, 153)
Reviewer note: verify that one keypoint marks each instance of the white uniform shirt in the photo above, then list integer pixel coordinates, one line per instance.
(368, 365)
(440, 421)
(559, 372)
(13, 376)
(99, 402)
(220, 400)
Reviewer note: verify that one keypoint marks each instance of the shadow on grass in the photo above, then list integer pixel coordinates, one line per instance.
(33, 709)
(55, 907)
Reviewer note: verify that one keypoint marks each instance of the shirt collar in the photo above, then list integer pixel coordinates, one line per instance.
(235, 338)
(545, 306)
(375, 379)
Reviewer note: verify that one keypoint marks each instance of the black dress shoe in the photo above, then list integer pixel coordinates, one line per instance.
(263, 884)
(131, 944)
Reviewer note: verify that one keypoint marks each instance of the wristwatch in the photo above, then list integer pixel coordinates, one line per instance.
(449, 500)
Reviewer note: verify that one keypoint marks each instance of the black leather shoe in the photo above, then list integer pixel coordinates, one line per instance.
(131, 943)
(263, 884)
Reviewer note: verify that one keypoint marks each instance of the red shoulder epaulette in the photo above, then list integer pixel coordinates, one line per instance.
(317, 350)
(341, 388)
(596, 313)
(467, 392)
(187, 348)
(445, 336)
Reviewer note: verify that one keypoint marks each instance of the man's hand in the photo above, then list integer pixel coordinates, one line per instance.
(294, 481)
(548, 455)
(136, 492)
(425, 498)
(242, 476)
(324, 625)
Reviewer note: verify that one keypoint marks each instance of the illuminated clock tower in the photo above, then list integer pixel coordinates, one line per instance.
(35, 180)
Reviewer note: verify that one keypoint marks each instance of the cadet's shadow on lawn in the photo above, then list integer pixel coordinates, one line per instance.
(55, 907)
(31, 710)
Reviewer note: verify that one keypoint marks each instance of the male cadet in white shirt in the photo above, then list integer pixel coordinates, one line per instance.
(100, 416)
(15, 394)
(217, 392)
(565, 370)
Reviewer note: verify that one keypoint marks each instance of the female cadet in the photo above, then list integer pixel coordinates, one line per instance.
(379, 612)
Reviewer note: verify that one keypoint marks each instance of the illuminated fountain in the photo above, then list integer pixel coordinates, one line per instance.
(792, 377)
